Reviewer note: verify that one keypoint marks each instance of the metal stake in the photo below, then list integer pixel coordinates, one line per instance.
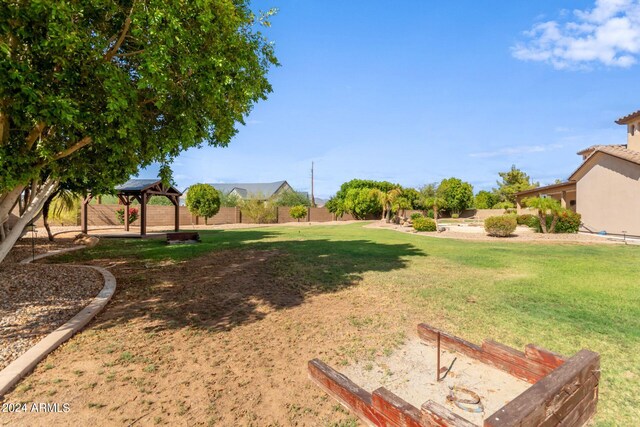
(438, 362)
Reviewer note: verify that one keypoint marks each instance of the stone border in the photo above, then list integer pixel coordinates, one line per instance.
(24, 364)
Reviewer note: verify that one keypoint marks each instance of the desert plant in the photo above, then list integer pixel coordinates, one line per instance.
(203, 200)
(424, 224)
(133, 215)
(298, 212)
(500, 226)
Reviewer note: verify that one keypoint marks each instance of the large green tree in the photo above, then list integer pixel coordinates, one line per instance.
(456, 194)
(367, 202)
(92, 90)
(485, 200)
(512, 182)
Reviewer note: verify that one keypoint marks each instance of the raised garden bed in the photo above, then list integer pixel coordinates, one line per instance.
(563, 391)
(183, 237)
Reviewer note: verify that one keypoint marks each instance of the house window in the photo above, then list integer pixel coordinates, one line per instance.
(572, 203)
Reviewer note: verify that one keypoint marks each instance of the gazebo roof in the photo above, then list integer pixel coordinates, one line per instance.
(155, 186)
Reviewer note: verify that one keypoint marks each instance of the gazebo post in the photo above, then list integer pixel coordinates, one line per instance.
(143, 213)
(84, 215)
(176, 215)
(127, 202)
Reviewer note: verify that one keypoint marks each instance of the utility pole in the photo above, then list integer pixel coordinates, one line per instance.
(313, 200)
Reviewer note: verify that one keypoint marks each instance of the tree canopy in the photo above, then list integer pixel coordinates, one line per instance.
(512, 182)
(203, 200)
(456, 194)
(93, 90)
(485, 200)
(355, 197)
(292, 198)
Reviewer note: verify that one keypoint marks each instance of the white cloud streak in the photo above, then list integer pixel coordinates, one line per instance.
(608, 34)
(513, 151)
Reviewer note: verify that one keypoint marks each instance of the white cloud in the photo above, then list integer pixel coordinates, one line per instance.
(512, 151)
(608, 34)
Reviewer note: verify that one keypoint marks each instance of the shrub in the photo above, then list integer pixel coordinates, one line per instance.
(416, 215)
(568, 222)
(424, 224)
(133, 215)
(529, 220)
(259, 211)
(503, 205)
(430, 213)
(298, 212)
(455, 215)
(500, 226)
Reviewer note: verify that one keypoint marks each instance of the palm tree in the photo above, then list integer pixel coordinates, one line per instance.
(387, 200)
(436, 203)
(544, 205)
(62, 200)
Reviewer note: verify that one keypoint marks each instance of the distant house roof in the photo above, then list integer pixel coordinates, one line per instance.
(244, 190)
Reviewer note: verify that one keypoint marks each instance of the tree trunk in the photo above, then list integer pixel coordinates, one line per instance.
(45, 214)
(542, 218)
(39, 197)
(435, 216)
(552, 227)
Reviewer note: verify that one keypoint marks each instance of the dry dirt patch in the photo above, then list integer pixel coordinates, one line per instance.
(222, 339)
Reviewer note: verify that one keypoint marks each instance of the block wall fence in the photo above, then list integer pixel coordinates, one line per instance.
(157, 215)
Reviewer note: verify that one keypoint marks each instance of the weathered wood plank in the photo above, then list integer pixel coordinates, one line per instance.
(355, 398)
(514, 361)
(394, 410)
(554, 417)
(436, 415)
(544, 356)
(536, 403)
(430, 334)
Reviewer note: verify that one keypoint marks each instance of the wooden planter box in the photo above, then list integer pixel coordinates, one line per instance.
(563, 391)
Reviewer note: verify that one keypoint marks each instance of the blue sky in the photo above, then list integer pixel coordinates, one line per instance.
(417, 91)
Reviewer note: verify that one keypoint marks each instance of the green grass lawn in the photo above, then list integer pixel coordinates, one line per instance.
(563, 297)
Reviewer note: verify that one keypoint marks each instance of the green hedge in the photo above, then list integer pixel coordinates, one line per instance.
(416, 215)
(424, 224)
(528, 220)
(500, 226)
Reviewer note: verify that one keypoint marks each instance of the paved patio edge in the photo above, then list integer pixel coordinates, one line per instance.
(24, 364)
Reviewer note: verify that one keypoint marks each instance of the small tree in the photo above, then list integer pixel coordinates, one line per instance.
(292, 198)
(203, 200)
(298, 212)
(485, 200)
(259, 210)
(387, 200)
(456, 194)
(545, 205)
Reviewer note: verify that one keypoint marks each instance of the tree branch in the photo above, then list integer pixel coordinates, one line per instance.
(75, 147)
(125, 29)
(34, 134)
(123, 55)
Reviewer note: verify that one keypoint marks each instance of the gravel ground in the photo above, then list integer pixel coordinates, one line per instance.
(35, 299)
(522, 234)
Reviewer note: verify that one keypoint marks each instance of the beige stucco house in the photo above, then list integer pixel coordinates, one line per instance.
(605, 189)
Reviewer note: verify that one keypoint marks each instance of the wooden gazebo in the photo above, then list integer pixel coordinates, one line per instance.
(141, 190)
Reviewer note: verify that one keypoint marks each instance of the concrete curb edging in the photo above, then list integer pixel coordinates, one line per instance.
(24, 364)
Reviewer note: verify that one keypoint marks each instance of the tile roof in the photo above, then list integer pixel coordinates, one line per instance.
(626, 119)
(595, 147)
(619, 151)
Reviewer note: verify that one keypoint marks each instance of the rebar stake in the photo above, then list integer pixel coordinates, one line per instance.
(438, 361)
